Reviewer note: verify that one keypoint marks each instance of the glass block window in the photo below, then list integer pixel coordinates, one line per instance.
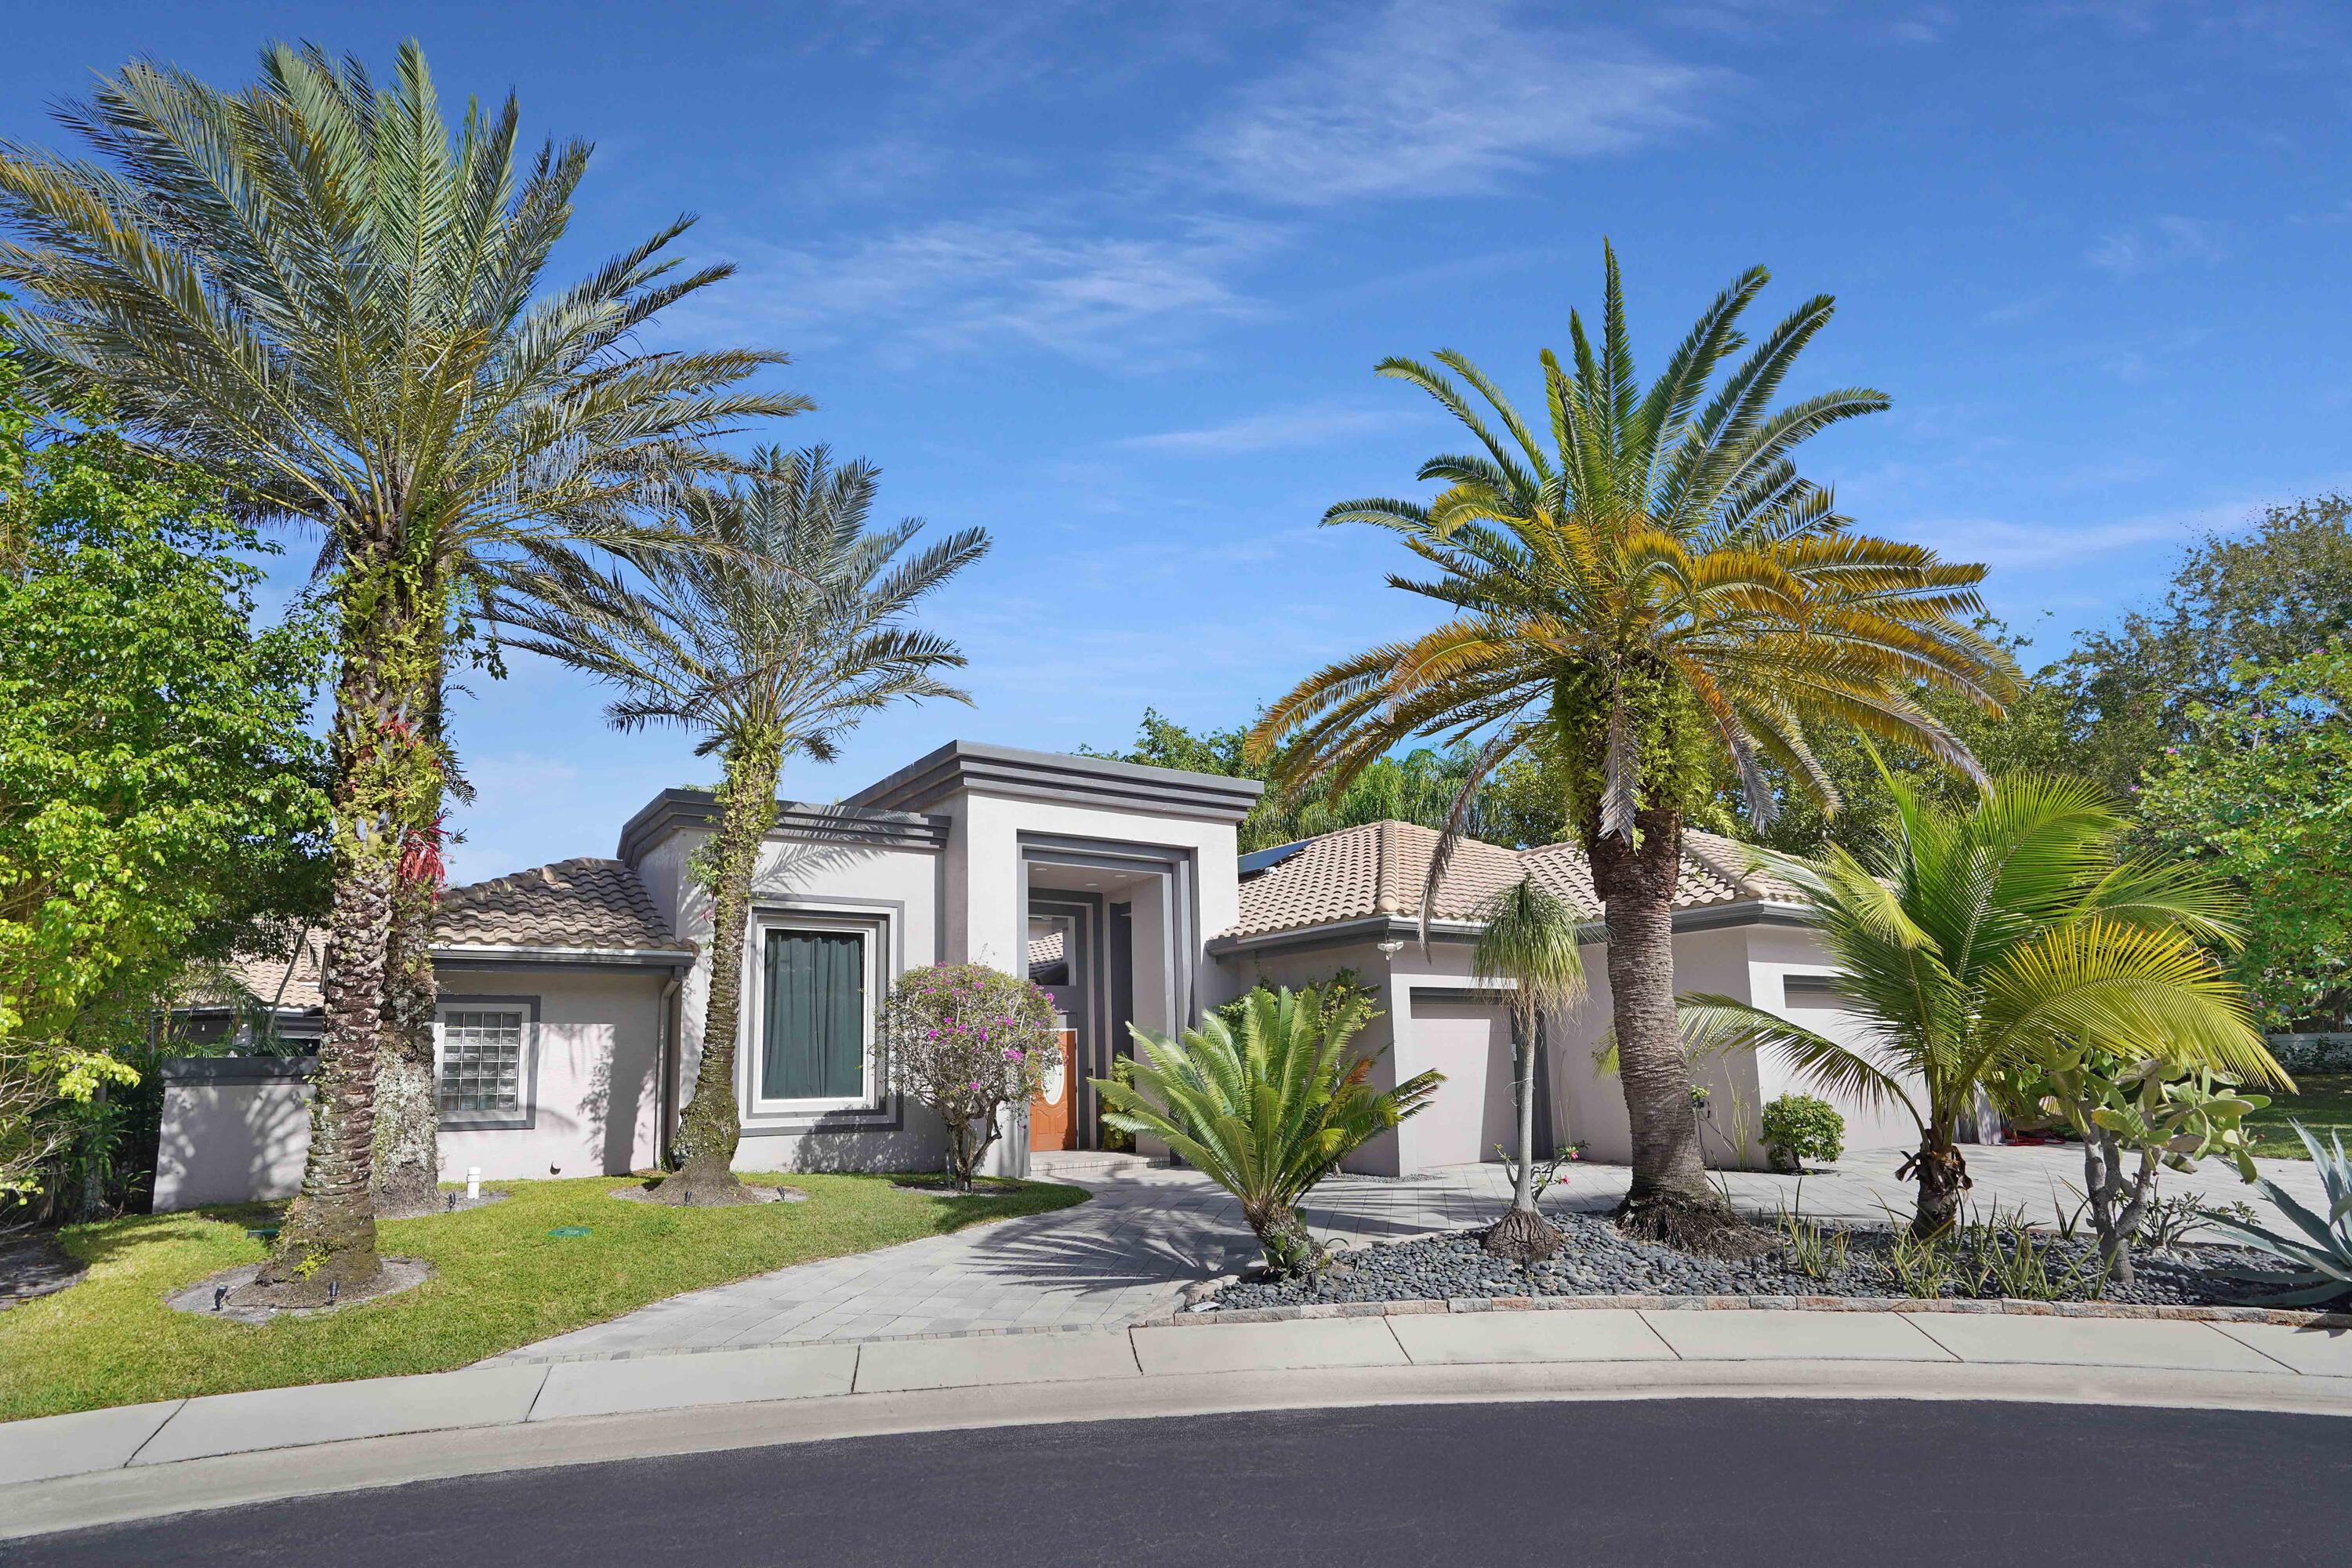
(482, 1061)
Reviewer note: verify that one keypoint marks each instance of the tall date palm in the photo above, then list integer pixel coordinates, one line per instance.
(1647, 587)
(776, 633)
(311, 289)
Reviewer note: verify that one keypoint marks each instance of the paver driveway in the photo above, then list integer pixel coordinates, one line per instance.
(1151, 1230)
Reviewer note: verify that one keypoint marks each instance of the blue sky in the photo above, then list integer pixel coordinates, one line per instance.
(1109, 280)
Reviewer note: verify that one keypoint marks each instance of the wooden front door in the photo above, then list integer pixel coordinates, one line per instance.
(1051, 1125)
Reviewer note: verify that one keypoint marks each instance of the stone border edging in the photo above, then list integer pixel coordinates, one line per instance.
(2003, 1305)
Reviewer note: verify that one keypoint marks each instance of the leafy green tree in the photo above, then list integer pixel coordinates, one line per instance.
(2272, 594)
(776, 634)
(160, 800)
(1514, 805)
(2260, 791)
(1651, 586)
(1976, 946)
(1529, 941)
(315, 292)
(1266, 1109)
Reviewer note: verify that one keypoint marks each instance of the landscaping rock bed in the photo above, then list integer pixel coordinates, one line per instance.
(1601, 1260)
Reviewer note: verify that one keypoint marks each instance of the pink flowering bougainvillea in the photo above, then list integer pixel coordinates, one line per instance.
(968, 1041)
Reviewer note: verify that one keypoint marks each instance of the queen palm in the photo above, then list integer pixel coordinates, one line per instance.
(1530, 942)
(1973, 942)
(780, 630)
(1651, 588)
(308, 287)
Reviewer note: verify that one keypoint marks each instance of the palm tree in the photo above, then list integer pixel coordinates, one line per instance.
(781, 630)
(1266, 1106)
(1652, 589)
(1530, 944)
(1975, 943)
(308, 290)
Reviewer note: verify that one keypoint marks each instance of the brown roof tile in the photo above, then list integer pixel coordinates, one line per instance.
(582, 902)
(1380, 868)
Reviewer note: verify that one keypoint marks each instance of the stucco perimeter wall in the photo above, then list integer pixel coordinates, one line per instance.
(594, 1078)
(235, 1130)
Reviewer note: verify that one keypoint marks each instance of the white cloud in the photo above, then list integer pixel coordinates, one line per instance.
(954, 284)
(2007, 546)
(1431, 98)
(2170, 239)
(1276, 429)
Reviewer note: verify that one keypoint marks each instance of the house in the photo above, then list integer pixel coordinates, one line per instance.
(572, 993)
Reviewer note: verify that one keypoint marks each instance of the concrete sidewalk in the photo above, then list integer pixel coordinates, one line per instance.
(72, 1466)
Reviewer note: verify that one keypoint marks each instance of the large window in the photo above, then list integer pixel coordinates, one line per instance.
(485, 1063)
(813, 1012)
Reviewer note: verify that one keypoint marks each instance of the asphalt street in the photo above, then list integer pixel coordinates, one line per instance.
(1664, 1481)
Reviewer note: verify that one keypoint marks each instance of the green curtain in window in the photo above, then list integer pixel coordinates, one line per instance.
(815, 1044)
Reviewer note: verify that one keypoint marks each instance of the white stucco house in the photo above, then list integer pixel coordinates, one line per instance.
(571, 995)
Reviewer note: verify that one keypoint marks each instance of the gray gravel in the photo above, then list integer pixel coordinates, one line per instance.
(1601, 1260)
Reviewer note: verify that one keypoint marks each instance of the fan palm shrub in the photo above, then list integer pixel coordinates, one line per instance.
(1974, 946)
(312, 290)
(1641, 588)
(775, 633)
(1265, 1106)
(1529, 942)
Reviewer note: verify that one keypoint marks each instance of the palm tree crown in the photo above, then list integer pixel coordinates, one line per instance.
(1657, 582)
(306, 288)
(784, 621)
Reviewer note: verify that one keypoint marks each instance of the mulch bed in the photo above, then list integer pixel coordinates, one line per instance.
(1601, 1260)
(397, 1274)
(33, 1265)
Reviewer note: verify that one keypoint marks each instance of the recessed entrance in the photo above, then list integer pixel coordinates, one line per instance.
(1106, 927)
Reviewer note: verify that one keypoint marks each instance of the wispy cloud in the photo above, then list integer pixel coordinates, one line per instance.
(2008, 546)
(2168, 240)
(1435, 99)
(956, 284)
(1276, 429)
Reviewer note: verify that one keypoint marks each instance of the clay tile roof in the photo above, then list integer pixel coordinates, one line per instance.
(583, 902)
(1379, 868)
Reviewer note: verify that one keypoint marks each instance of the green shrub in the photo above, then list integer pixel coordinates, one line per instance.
(1805, 1128)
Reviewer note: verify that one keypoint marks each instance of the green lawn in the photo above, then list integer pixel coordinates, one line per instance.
(500, 1282)
(2324, 1106)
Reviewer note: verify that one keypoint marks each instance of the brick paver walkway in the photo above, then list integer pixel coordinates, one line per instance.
(1151, 1230)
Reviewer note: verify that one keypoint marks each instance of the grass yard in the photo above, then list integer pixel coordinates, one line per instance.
(500, 1282)
(2324, 1106)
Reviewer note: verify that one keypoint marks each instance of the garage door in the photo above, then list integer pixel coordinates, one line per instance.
(1470, 1042)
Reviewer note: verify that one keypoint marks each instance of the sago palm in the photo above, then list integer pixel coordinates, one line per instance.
(311, 289)
(1972, 944)
(1266, 1108)
(1529, 942)
(1647, 587)
(780, 626)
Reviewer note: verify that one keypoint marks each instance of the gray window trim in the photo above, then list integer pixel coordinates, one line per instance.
(888, 918)
(478, 1121)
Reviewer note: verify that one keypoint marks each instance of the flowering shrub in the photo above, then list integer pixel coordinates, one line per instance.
(969, 1041)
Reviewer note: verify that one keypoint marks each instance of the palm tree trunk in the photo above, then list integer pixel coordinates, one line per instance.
(712, 1123)
(1524, 1236)
(328, 1236)
(1670, 1199)
(407, 1099)
(407, 1172)
(1943, 1176)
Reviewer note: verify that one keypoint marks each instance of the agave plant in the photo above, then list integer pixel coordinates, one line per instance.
(2320, 1261)
(1265, 1106)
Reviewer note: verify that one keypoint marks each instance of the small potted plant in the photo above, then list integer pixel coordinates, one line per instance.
(1797, 1127)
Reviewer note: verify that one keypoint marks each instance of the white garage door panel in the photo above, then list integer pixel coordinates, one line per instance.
(1470, 1042)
